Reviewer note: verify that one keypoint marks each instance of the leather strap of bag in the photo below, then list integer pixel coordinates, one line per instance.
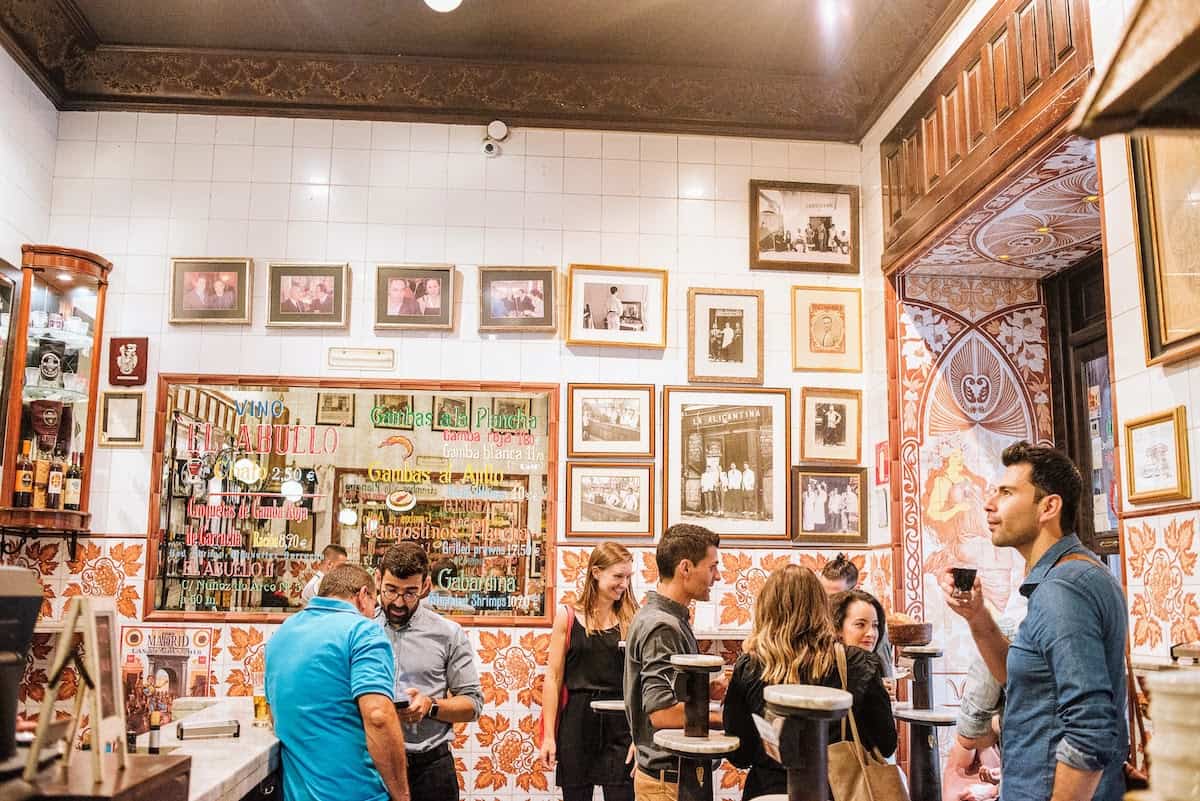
(1135, 709)
(859, 753)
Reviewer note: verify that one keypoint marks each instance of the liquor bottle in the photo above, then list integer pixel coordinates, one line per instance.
(155, 732)
(41, 476)
(23, 486)
(54, 482)
(73, 485)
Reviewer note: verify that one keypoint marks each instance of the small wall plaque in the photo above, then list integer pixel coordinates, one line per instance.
(127, 360)
(363, 358)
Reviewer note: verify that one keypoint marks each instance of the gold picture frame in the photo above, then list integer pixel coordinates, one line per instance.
(1157, 466)
(518, 299)
(122, 418)
(640, 293)
(1165, 174)
(609, 420)
(804, 227)
(826, 329)
(722, 319)
(308, 294)
(830, 425)
(211, 291)
(400, 292)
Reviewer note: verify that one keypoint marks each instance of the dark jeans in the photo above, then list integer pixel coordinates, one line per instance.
(583, 792)
(431, 775)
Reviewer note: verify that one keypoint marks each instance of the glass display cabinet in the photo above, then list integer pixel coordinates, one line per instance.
(52, 372)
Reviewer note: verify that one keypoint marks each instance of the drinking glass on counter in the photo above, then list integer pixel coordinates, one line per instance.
(262, 709)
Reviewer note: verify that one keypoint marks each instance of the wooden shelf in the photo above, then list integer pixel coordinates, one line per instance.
(43, 521)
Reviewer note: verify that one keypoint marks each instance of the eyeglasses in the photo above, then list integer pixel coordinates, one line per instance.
(408, 595)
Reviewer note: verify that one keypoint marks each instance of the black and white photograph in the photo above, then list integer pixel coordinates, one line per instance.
(511, 414)
(393, 411)
(830, 425)
(829, 505)
(617, 306)
(725, 335)
(414, 296)
(803, 227)
(517, 299)
(727, 453)
(451, 413)
(610, 419)
(609, 499)
(335, 409)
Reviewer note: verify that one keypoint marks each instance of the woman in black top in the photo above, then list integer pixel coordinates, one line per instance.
(793, 642)
(589, 748)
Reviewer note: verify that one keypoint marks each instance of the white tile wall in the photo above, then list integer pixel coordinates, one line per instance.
(28, 153)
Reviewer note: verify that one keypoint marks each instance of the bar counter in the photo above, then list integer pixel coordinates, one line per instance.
(223, 768)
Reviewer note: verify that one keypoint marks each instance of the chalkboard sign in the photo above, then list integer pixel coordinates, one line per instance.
(256, 478)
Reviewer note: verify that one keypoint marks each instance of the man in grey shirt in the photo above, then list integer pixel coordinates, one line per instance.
(687, 567)
(435, 671)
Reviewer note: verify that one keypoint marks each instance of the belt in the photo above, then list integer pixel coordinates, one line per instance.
(420, 759)
(668, 776)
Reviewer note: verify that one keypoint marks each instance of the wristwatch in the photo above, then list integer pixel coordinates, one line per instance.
(433, 710)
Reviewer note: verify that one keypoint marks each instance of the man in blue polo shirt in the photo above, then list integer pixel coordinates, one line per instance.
(329, 681)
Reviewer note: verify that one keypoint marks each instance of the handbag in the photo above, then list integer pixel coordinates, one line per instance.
(562, 695)
(856, 774)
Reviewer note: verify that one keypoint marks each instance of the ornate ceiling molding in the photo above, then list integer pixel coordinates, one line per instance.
(55, 44)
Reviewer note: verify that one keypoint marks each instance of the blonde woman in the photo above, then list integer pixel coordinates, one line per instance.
(585, 656)
(794, 642)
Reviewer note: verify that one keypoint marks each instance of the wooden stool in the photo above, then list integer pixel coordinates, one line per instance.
(695, 746)
(804, 739)
(923, 719)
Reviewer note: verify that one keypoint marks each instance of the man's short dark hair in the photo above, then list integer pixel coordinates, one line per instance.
(683, 541)
(841, 569)
(344, 581)
(333, 548)
(1051, 473)
(405, 559)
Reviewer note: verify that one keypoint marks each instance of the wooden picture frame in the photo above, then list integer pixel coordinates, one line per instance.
(506, 410)
(122, 418)
(610, 420)
(641, 294)
(1157, 465)
(1165, 171)
(729, 323)
(451, 418)
(610, 499)
(518, 299)
(826, 329)
(211, 291)
(404, 293)
(804, 227)
(308, 295)
(821, 520)
(389, 411)
(335, 409)
(709, 432)
(830, 425)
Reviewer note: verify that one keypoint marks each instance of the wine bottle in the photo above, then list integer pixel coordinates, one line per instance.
(23, 485)
(41, 476)
(73, 486)
(54, 482)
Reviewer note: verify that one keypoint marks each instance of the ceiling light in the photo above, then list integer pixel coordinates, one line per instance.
(65, 277)
(1092, 198)
(1045, 229)
(1004, 257)
(347, 517)
(443, 5)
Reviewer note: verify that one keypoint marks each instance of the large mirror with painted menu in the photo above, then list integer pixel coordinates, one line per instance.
(254, 477)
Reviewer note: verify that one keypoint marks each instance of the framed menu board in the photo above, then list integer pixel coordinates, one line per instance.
(255, 476)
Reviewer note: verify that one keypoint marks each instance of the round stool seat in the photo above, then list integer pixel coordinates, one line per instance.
(609, 705)
(770, 798)
(706, 662)
(920, 650)
(938, 716)
(807, 696)
(715, 744)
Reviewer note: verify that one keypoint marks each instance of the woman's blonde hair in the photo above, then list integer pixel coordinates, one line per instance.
(793, 637)
(604, 556)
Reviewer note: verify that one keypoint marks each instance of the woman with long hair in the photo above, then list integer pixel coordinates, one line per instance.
(585, 657)
(794, 642)
(858, 619)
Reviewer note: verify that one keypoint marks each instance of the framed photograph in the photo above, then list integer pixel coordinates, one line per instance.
(414, 296)
(308, 295)
(617, 306)
(121, 418)
(606, 499)
(211, 291)
(826, 329)
(518, 299)
(803, 227)
(726, 455)
(1166, 181)
(1156, 457)
(610, 420)
(830, 425)
(511, 414)
(829, 506)
(393, 411)
(451, 413)
(725, 335)
(335, 409)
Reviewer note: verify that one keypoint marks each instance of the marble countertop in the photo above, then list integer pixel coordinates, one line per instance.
(223, 768)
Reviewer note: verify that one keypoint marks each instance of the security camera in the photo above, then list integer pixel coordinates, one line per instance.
(491, 148)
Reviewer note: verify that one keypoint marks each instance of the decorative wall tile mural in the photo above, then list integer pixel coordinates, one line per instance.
(1163, 585)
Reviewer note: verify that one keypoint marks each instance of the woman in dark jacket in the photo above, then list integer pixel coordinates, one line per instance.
(794, 642)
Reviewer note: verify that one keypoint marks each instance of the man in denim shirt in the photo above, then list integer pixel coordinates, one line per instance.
(1064, 733)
